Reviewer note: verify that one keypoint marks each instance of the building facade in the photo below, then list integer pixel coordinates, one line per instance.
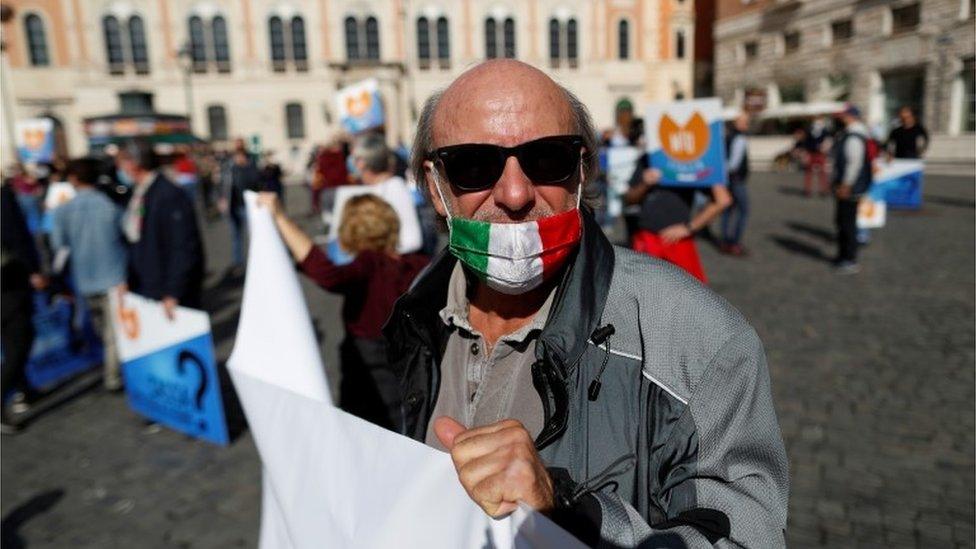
(271, 68)
(878, 54)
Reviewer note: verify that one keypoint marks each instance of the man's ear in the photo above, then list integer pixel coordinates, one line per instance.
(435, 197)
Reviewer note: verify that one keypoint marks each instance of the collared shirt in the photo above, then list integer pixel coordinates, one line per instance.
(482, 385)
(88, 226)
(136, 210)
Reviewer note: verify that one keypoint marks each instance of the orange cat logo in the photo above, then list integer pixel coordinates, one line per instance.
(34, 138)
(129, 319)
(687, 143)
(358, 105)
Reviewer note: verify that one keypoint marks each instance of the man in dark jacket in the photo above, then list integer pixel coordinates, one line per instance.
(603, 387)
(239, 174)
(852, 178)
(166, 255)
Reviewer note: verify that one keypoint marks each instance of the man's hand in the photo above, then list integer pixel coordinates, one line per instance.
(843, 192)
(651, 176)
(674, 233)
(38, 281)
(497, 464)
(271, 202)
(222, 206)
(169, 307)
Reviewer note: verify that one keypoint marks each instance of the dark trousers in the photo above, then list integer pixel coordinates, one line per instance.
(735, 217)
(846, 220)
(17, 332)
(369, 389)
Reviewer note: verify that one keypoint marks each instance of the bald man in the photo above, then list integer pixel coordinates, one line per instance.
(604, 388)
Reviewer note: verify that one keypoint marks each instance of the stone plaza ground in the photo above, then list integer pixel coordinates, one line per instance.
(873, 378)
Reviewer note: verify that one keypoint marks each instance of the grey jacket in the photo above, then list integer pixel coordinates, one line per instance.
(662, 434)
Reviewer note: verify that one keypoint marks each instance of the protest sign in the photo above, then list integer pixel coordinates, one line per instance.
(65, 343)
(360, 106)
(621, 163)
(35, 140)
(872, 210)
(901, 180)
(331, 479)
(685, 140)
(168, 366)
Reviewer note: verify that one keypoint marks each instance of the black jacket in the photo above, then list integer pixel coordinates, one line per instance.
(168, 258)
(680, 442)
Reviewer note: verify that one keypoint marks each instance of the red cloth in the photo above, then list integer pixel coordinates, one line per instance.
(371, 284)
(331, 166)
(185, 164)
(682, 253)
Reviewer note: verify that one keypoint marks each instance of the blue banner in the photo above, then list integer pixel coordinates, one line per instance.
(178, 386)
(60, 350)
(35, 140)
(686, 142)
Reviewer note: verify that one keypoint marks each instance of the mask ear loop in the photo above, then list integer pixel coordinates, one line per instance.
(437, 185)
(579, 188)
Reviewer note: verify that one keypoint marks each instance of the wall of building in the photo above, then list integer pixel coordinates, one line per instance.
(78, 83)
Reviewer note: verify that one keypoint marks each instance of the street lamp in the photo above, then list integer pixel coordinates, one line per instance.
(185, 55)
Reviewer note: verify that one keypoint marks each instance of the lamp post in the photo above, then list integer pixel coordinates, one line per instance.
(186, 63)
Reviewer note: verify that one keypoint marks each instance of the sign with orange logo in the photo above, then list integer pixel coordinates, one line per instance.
(685, 141)
(35, 140)
(360, 106)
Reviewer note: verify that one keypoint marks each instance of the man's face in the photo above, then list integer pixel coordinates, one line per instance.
(128, 166)
(481, 111)
(906, 116)
(240, 158)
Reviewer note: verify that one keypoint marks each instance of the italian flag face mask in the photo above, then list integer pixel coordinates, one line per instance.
(513, 258)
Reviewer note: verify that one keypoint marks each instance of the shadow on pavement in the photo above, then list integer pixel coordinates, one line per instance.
(56, 397)
(783, 189)
(826, 235)
(795, 246)
(10, 526)
(950, 201)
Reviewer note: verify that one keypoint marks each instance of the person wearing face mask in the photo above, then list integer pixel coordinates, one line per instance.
(602, 387)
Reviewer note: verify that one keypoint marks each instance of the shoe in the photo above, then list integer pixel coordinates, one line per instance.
(9, 428)
(19, 403)
(738, 251)
(725, 248)
(847, 267)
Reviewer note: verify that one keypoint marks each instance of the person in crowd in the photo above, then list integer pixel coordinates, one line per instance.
(666, 226)
(271, 176)
(20, 271)
(852, 178)
(185, 172)
(209, 175)
(909, 139)
(370, 285)
(330, 173)
(88, 229)
(628, 131)
(813, 146)
(166, 260)
(239, 175)
(28, 190)
(734, 218)
(602, 387)
(373, 161)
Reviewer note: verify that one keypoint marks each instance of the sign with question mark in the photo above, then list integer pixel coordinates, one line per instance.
(685, 141)
(169, 366)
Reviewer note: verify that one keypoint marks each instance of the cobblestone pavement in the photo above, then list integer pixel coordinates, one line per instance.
(873, 378)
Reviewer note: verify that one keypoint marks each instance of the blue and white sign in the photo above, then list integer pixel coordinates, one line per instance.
(35, 140)
(685, 141)
(360, 106)
(65, 343)
(901, 181)
(169, 366)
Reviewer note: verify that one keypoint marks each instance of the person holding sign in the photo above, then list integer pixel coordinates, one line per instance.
(596, 385)
(666, 226)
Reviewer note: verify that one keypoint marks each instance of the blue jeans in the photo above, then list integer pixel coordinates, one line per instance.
(735, 217)
(238, 226)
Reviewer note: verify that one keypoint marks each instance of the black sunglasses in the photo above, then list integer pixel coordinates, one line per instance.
(477, 166)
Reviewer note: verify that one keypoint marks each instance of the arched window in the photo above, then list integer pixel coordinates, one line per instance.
(443, 42)
(491, 39)
(217, 122)
(36, 41)
(299, 49)
(137, 41)
(572, 48)
(679, 44)
(509, 32)
(113, 44)
(276, 31)
(294, 121)
(623, 40)
(423, 42)
(352, 39)
(372, 38)
(198, 44)
(221, 44)
(554, 40)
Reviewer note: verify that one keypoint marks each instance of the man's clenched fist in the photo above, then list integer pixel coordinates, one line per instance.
(497, 465)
